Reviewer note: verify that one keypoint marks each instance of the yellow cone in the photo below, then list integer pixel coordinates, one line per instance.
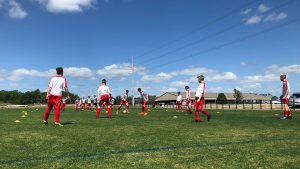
(17, 121)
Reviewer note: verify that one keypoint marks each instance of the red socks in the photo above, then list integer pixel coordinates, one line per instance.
(197, 116)
(98, 113)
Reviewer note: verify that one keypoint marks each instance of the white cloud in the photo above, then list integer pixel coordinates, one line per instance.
(66, 5)
(276, 69)
(171, 89)
(120, 71)
(260, 78)
(156, 78)
(226, 76)
(244, 64)
(178, 84)
(20, 74)
(254, 20)
(246, 11)
(15, 9)
(263, 8)
(79, 72)
(275, 17)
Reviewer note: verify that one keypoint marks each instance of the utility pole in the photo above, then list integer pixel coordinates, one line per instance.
(132, 81)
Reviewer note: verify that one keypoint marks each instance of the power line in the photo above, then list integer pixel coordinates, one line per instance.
(229, 43)
(213, 35)
(199, 28)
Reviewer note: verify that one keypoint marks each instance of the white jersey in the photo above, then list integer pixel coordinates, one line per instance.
(286, 88)
(125, 96)
(64, 100)
(201, 90)
(80, 101)
(188, 94)
(57, 84)
(89, 100)
(95, 100)
(179, 98)
(144, 96)
(77, 101)
(103, 90)
(83, 101)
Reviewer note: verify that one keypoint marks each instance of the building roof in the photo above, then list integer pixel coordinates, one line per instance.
(172, 96)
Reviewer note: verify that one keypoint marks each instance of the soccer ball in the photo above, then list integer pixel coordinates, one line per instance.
(174, 117)
(124, 111)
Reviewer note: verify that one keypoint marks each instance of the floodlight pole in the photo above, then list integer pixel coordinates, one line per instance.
(132, 81)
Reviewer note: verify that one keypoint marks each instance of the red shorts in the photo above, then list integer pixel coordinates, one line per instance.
(124, 102)
(199, 105)
(187, 102)
(179, 103)
(104, 99)
(285, 101)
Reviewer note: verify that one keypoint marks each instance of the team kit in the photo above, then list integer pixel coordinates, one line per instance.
(103, 98)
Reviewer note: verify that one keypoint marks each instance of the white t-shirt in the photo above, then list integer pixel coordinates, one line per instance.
(125, 96)
(144, 96)
(89, 100)
(201, 90)
(179, 98)
(57, 85)
(103, 90)
(286, 88)
(188, 94)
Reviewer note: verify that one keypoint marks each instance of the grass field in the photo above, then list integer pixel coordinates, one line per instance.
(233, 139)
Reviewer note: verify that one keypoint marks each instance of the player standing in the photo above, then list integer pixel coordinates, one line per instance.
(179, 102)
(199, 100)
(124, 102)
(54, 95)
(188, 100)
(63, 105)
(104, 98)
(77, 102)
(287, 114)
(95, 101)
(144, 97)
(89, 103)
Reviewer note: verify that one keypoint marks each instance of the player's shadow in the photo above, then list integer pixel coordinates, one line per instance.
(106, 117)
(67, 123)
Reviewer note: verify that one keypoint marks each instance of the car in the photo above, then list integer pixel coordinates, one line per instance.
(276, 102)
(294, 100)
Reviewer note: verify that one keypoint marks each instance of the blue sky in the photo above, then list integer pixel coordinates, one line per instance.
(95, 39)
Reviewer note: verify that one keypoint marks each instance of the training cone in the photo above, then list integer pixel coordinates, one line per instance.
(17, 121)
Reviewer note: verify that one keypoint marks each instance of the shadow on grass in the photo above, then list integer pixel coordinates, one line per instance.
(67, 123)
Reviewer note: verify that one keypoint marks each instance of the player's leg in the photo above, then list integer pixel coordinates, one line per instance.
(196, 106)
(108, 107)
(127, 107)
(48, 109)
(57, 104)
(99, 108)
(145, 108)
(208, 115)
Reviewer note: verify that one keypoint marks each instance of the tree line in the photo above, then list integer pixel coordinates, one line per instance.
(29, 97)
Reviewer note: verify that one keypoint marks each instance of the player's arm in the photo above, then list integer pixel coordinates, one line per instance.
(66, 89)
(48, 92)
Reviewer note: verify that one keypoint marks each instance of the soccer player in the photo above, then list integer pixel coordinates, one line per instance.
(63, 105)
(83, 103)
(104, 98)
(179, 102)
(188, 100)
(95, 101)
(199, 100)
(89, 103)
(77, 102)
(54, 96)
(144, 97)
(285, 98)
(124, 102)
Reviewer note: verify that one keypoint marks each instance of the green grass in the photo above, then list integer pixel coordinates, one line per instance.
(233, 139)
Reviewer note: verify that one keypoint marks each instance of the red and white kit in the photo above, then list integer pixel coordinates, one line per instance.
(179, 103)
(124, 102)
(57, 84)
(89, 103)
(285, 93)
(198, 104)
(104, 99)
(63, 106)
(188, 100)
(77, 104)
(144, 97)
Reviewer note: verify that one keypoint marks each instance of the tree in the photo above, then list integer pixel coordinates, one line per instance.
(274, 98)
(237, 95)
(222, 98)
